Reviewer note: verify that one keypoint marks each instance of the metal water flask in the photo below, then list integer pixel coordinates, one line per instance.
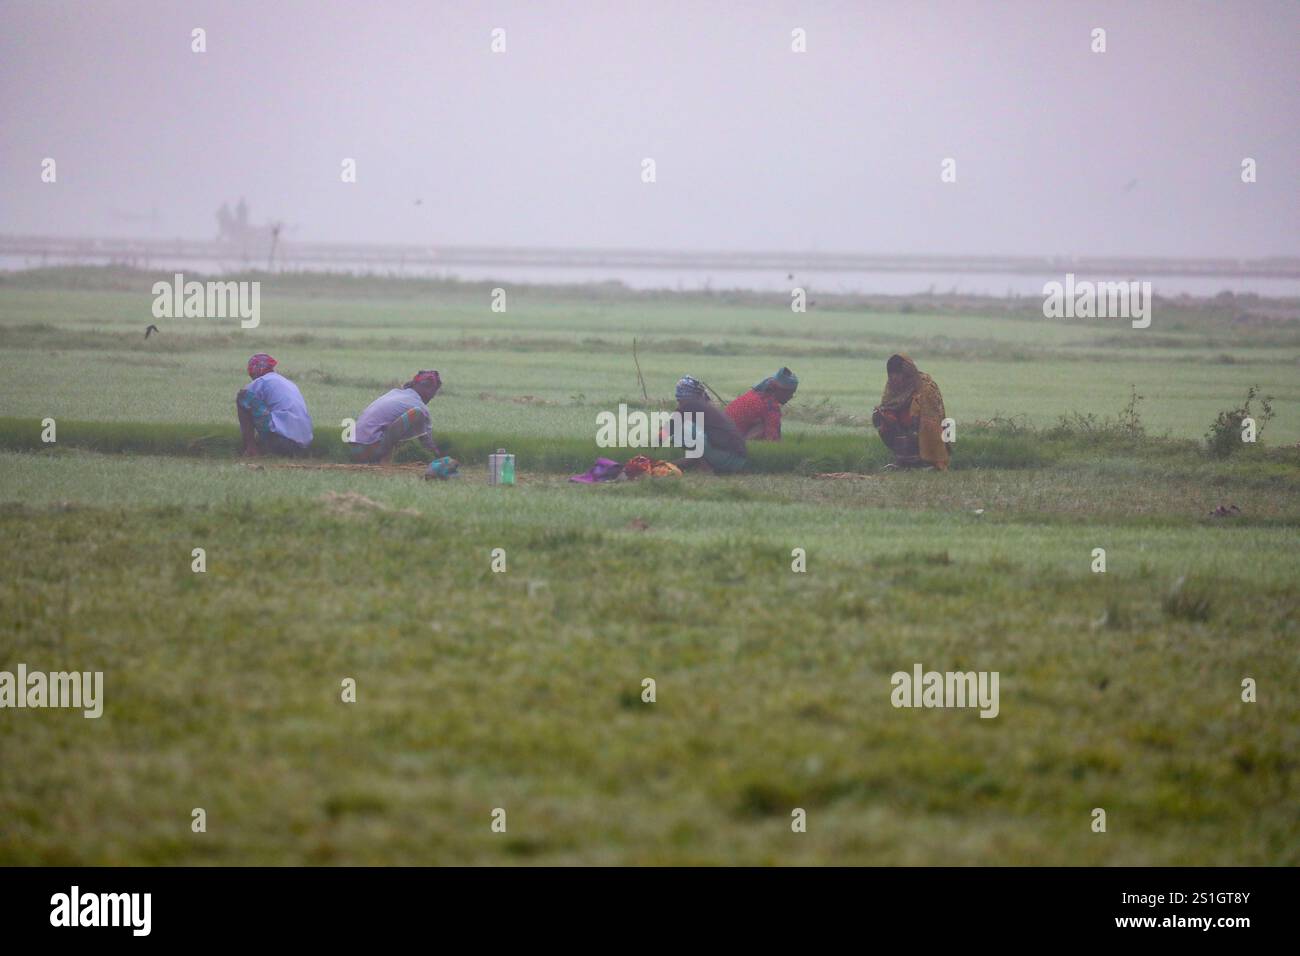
(501, 468)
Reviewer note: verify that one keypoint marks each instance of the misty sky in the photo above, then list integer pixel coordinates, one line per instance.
(1059, 150)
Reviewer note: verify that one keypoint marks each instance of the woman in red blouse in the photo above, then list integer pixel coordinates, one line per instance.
(757, 413)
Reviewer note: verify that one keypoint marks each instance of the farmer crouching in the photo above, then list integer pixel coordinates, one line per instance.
(757, 413)
(272, 414)
(724, 446)
(397, 416)
(909, 418)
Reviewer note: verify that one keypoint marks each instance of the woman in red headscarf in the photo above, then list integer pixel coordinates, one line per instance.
(273, 417)
(396, 416)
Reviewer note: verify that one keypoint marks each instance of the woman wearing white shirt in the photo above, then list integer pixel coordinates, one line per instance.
(273, 416)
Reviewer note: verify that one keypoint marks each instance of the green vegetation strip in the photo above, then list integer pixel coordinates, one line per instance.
(1006, 446)
(800, 453)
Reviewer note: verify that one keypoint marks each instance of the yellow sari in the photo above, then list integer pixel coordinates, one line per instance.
(917, 399)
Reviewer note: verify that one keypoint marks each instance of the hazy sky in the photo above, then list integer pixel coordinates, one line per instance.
(1058, 149)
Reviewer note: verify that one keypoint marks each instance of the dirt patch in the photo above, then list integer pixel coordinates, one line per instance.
(352, 503)
(408, 468)
(516, 399)
(474, 475)
(842, 476)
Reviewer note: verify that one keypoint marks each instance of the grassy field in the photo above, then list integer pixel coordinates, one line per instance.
(549, 363)
(522, 690)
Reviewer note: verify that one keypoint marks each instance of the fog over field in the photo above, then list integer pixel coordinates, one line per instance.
(1058, 149)
(336, 344)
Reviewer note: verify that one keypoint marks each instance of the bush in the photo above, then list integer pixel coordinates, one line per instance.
(1127, 425)
(1224, 436)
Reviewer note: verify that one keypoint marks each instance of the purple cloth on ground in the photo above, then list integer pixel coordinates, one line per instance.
(604, 469)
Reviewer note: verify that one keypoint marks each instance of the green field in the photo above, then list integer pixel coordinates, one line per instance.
(522, 690)
(564, 358)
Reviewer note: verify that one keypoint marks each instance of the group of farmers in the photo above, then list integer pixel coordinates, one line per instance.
(273, 417)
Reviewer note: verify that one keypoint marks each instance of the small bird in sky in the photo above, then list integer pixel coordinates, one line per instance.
(150, 330)
(419, 202)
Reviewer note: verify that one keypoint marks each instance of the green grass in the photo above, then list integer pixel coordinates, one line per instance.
(549, 364)
(802, 452)
(521, 690)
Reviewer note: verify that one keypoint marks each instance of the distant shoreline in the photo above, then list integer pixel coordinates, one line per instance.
(1246, 307)
(820, 274)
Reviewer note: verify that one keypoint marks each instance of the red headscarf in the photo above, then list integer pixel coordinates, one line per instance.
(260, 364)
(425, 375)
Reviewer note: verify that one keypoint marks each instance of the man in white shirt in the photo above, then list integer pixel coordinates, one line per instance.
(273, 417)
(396, 416)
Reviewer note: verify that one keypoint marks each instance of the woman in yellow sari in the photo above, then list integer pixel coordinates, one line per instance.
(910, 417)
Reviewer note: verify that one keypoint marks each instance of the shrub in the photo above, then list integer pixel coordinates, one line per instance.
(1127, 425)
(1224, 436)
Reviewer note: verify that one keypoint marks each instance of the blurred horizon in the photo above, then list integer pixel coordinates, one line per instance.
(1059, 151)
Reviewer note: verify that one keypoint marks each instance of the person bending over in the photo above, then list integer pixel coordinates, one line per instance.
(909, 418)
(273, 417)
(724, 446)
(757, 413)
(397, 416)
